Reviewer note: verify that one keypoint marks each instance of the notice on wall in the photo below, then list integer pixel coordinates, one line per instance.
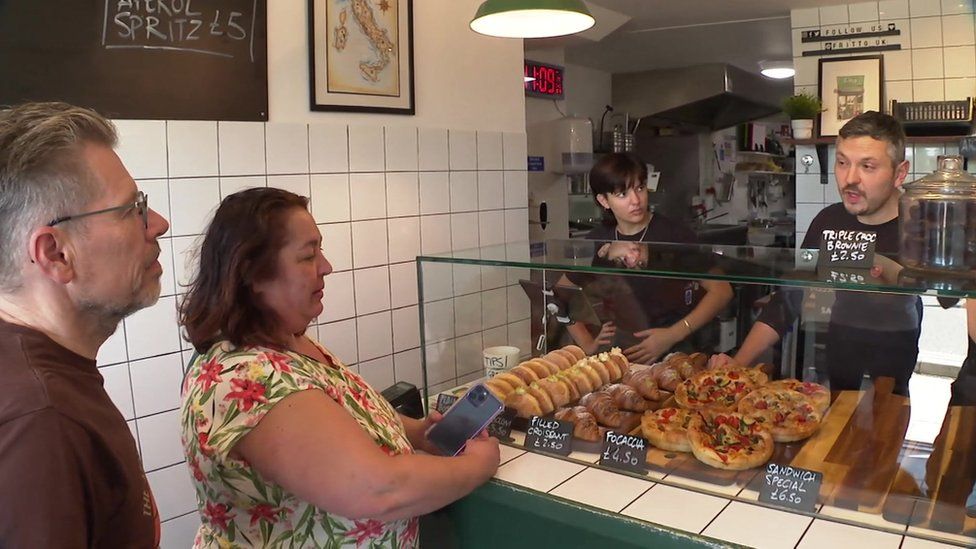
(847, 248)
(139, 59)
(223, 29)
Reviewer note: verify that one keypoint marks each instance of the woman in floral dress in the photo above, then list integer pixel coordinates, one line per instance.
(286, 446)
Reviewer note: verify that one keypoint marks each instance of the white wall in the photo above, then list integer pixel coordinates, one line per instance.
(383, 189)
(463, 80)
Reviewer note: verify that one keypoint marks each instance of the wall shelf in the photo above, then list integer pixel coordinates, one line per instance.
(923, 139)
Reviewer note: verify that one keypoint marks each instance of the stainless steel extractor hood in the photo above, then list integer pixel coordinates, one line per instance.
(697, 98)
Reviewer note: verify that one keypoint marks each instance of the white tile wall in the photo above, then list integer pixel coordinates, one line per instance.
(287, 148)
(380, 196)
(241, 148)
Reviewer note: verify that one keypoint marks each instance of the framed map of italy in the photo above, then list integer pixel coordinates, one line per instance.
(361, 55)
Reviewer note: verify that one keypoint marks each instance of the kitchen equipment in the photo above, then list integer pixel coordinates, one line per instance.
(937, 220)
(935, 117)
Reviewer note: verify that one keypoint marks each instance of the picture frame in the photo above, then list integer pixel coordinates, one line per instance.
(361, 56)
(849, 86)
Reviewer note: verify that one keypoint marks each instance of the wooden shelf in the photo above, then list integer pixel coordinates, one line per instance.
(910, 139)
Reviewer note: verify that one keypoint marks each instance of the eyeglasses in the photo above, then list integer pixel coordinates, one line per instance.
(141, 204)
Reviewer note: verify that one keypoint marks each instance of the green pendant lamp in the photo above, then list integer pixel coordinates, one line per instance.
(531, 18)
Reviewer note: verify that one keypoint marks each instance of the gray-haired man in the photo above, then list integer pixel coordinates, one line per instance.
(78, 252)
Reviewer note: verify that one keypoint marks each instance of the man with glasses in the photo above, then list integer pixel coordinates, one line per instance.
(78, 253)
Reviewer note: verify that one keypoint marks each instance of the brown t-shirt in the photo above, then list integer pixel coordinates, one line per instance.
(70, 474)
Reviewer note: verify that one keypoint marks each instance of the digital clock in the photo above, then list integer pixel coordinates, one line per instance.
(546, 80)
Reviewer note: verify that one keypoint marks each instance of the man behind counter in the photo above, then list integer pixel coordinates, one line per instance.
(868, 333)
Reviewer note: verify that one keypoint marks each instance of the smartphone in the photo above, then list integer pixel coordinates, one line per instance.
(469, 415)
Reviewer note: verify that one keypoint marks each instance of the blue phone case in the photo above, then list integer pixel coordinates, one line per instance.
(470, 415)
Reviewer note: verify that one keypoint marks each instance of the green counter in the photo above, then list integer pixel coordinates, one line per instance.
(502, 515)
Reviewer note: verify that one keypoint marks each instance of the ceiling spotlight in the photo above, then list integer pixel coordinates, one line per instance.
(777, 69)
(531, 18)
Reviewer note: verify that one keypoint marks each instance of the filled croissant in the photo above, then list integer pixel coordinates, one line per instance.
(601, 405)
(626, 398)
(584, 424)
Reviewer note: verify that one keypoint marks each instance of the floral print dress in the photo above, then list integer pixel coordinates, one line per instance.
(226, 392)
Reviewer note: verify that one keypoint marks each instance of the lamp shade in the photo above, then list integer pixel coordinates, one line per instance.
(531, 18)
(777, 69)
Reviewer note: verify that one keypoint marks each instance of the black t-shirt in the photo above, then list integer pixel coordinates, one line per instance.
(637, 303)
(69, 469)
(863, 310)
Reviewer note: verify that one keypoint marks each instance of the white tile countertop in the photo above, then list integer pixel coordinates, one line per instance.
(720, 515)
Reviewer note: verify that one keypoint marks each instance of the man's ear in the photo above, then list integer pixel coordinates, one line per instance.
(901, 172)
(602, 199)
(49, 254)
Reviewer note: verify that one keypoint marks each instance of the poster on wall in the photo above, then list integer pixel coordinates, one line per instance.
(361, 55)
(849, 86)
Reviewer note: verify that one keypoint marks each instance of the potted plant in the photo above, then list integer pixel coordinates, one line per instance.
(802, 109)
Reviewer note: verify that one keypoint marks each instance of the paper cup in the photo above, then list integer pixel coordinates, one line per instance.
(498, 359)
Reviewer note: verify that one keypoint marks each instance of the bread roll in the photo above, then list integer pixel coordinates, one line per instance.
(600, 369)
(526, 374)
(524, 404)
(510, 378)
(611, 365)
(542, 397)
(596, 380)
(574, 392)
(537, 368)
(581, 380)
(499, 388)
(618, 357)
(550, 367)
(557, 390)
(557, 358)
(576, 351)
(569, 357)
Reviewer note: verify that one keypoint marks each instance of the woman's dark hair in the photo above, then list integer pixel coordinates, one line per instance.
(615, 173)
(239, 248)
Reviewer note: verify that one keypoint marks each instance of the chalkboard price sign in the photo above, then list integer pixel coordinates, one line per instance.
(549, 435)
(501, 426)
(847, 248)
(626, 452)
(444, 402)
(790, 487)
(142, 59)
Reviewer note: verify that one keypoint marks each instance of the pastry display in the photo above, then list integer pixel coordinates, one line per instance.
(788, 414)
(729, 440)
(667, 428)
(728, 417)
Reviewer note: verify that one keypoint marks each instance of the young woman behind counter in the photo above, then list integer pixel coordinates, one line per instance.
(672, 310)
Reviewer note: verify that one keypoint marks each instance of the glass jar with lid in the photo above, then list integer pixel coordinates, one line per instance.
(937, 219)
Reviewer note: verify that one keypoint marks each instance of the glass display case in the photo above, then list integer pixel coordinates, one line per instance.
(894, 456)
